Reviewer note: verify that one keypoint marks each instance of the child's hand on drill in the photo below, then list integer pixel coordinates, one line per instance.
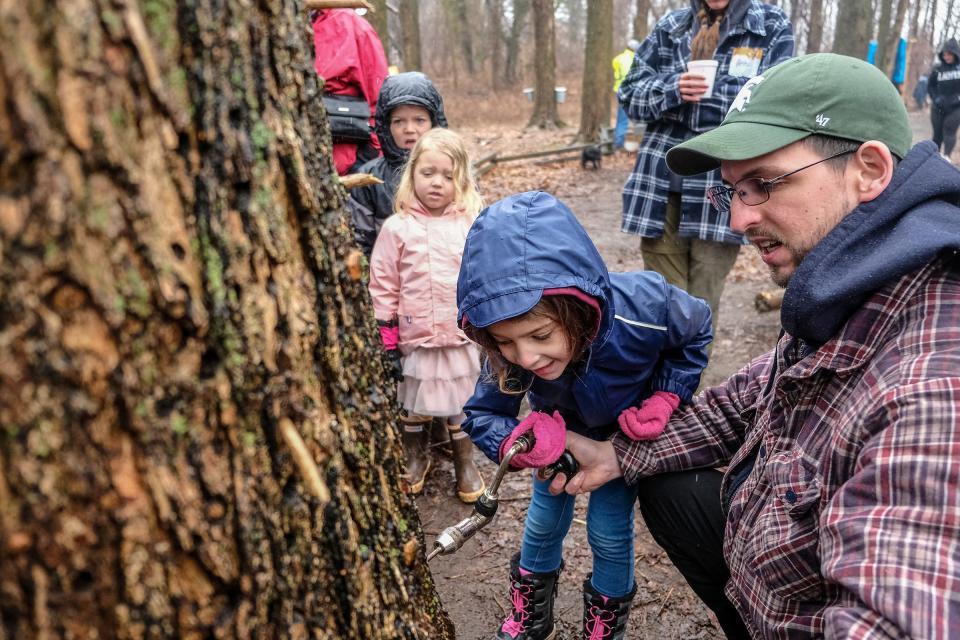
(648, 421)
(550, 436)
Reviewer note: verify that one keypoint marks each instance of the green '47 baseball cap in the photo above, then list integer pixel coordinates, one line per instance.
(819, 93)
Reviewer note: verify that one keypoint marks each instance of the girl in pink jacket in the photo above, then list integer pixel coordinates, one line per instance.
(413, 282)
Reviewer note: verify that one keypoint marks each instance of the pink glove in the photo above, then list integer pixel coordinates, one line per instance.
(647, 422)
(550, 434)
(389, 336)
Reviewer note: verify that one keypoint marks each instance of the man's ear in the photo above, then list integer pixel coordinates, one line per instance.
(870, 170)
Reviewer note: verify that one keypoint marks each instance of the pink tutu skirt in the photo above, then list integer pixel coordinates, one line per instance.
(438, 381)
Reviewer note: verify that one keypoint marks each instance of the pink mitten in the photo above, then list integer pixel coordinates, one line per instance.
(647, 422)
(550, 437)
(389, 336)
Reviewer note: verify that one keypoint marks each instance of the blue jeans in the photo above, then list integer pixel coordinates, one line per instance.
(609, 532)
(620, 132)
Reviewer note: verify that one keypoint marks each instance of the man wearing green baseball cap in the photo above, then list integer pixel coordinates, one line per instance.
(838, 514)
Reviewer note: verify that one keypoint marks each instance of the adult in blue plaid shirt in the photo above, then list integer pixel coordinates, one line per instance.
(684, 238)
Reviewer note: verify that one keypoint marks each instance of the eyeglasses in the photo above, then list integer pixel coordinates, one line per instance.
(754, 191)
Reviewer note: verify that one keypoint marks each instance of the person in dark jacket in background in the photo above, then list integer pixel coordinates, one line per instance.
(594, 353)
(920, 91)
(408, 106)
(944, 89)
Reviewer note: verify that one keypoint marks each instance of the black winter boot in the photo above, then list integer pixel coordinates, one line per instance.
(605, 618)
(532, 597)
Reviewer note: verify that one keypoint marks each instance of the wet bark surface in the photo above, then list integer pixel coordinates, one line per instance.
(195, 435)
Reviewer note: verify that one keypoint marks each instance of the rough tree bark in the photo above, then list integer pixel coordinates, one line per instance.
(597, 71)
(856, 16)
(545, 61)
(410, 31)
(196, 435)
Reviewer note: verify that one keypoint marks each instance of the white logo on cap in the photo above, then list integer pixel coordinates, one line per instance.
(743, 98)
(822, 120)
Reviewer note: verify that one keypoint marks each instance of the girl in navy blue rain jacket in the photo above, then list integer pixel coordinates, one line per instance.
(592, 352)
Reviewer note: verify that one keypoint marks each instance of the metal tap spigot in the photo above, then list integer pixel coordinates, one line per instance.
(452, 538)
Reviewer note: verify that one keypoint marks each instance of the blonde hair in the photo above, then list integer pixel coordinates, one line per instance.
(450, 144)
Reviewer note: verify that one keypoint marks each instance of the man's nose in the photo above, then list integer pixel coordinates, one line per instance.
(742, 217)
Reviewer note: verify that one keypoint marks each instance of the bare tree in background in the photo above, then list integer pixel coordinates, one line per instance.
(856, 19)
(462, 31)
(597, 71)
(521, 9)
(641, 21)
(893, 38)
(815, 27)
(883, 34)
(198, 439)
(545, 60)
(378, 18)
(410, 34)
(495, 43)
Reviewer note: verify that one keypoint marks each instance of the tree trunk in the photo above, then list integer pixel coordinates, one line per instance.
(495, 42)
(378, 18)
(893, 38)
(410, 31)
(856, 17)
(544, 99)
(597, 71)
(883, 34)
(520, 10)
(464, 30)
(815, 32)
(641, 24)
(194, 443)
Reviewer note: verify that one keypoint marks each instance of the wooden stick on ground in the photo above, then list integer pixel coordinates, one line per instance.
(768, 300)
(339, 4)
(354, 180)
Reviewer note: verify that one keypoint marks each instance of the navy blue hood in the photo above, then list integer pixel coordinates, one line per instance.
(413, 88)
(518, 247)
(907, 226)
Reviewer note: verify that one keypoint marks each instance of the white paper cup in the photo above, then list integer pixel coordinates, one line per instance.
(707, 69)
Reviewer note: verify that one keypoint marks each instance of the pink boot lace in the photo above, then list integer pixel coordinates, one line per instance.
(598, 623)
(520, 599)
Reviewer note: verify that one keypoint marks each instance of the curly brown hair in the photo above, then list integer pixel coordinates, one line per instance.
(576, 319)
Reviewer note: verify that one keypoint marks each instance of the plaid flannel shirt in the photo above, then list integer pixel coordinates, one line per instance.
(848, 524)
(650, 93)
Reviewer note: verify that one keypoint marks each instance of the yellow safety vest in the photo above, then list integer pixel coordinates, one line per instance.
(621, 66)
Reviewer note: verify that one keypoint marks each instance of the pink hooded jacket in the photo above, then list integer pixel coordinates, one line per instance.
(413, 275)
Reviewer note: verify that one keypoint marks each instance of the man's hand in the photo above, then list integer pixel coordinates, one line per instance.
(692, 87)
(598, 466)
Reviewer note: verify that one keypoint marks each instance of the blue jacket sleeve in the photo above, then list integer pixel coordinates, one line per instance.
(684, 354)
(646, 94)
(491, 415)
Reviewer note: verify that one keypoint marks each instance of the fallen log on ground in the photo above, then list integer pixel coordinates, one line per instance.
(768, 300)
